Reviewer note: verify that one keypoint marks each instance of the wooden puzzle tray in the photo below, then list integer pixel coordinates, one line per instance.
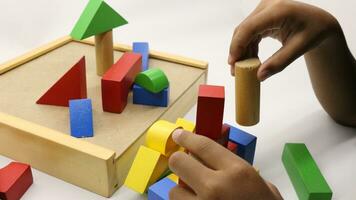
(39, 134)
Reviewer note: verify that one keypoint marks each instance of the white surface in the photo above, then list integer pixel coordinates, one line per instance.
(202, 29)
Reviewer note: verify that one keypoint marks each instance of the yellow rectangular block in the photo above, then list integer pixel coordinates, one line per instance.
(186, 124)
(147, 167)
(173, 177)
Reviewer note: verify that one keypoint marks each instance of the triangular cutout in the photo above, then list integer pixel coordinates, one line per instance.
(97, 17)
(72, 85)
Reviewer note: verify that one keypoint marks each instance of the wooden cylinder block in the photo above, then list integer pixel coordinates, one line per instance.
(247, 91)
(104, 52)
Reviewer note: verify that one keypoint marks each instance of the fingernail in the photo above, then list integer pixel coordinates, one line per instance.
(176, 134)
(265, 74)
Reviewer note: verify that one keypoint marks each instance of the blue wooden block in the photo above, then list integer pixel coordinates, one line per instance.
(145, 97)
(81, 118)
(160, 190)
(246, 143)
(143, 49)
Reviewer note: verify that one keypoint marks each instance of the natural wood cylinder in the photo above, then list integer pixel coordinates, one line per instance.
(104, 52)
(247, 91)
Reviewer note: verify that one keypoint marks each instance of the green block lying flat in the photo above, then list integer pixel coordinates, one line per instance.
(98, 17)
(153, 80)
(304, 173)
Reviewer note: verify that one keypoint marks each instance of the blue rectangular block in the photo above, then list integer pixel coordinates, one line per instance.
(143, 49)
(81, 118)
(145, 97)
(160, 190)
(246, 143)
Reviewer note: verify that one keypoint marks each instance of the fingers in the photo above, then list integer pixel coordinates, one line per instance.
(292, 49)
(178, 193)
(191, 171)
(209, 152)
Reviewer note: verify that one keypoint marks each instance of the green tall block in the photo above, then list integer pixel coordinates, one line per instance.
(304, 173)
(153, 80)
(98, 17)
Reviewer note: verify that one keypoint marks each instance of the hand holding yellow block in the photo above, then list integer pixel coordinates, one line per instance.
(159, 137)
(147, 167)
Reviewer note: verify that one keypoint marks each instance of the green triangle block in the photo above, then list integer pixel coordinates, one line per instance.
(153, 80)
(98, 17)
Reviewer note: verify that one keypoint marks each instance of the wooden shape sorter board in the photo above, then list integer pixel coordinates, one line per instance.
(39, 134)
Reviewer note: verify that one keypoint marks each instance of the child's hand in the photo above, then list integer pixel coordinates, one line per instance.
(219, 174)
(298, 26)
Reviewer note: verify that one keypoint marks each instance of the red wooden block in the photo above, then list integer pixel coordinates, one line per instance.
(210, 111)
(232, 146)
(224, 137)
(72, 85)
(117, 82)
(15, 179)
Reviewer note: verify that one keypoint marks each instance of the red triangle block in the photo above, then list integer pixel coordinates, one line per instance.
(15, 179)
(72, 85)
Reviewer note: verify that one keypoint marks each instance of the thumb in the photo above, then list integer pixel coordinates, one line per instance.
(294, 48)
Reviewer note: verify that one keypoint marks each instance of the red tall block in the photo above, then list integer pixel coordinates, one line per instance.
(117, 82)
(72, 85)
(210, 111)
(15, 179)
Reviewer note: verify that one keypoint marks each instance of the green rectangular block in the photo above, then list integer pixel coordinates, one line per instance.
(304, 173)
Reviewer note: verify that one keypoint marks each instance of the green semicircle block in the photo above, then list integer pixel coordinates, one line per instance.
(97, 17)
(153, 80)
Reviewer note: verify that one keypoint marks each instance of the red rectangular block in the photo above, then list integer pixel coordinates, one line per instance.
(224, 137)
(15, 179)
(232, 146)
(117, 82)
(210, 111)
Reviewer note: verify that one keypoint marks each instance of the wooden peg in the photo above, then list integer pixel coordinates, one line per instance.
(104, 52)
(247, 91)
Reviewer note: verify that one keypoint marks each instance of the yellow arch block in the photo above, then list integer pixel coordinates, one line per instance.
(186, 124)
(159, 137)
(147, 167)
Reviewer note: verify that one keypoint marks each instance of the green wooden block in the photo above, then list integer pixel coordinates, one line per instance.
(98, 17)
(304, 173)
(153, 80)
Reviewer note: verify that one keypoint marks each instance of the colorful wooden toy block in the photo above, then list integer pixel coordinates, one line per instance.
(173, 177)
(210, 111)
(246, 143)
(72, 85)
(81, 118)
(232, 146)
(15, 179)
(159, 137)
(97, 17)
(247, 92)
(146, 169)
(144, 97)
(186, 124)
(153, 80)
(224, 137)
(160, 190)
(117, 82)
(304, 173)
(143, 49)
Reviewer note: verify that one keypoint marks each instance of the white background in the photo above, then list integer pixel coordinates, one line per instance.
(202, 29)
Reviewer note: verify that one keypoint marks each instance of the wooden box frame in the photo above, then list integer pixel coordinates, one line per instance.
(90, 166)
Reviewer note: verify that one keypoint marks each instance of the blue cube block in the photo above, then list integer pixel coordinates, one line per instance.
(81, 118)
(160, 190)
(143, 49)
(145, 97)
(246, 143)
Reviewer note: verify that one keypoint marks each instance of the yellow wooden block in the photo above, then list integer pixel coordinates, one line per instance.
(159, 137)
(147, 167)
(186, 124)
(173, 177)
